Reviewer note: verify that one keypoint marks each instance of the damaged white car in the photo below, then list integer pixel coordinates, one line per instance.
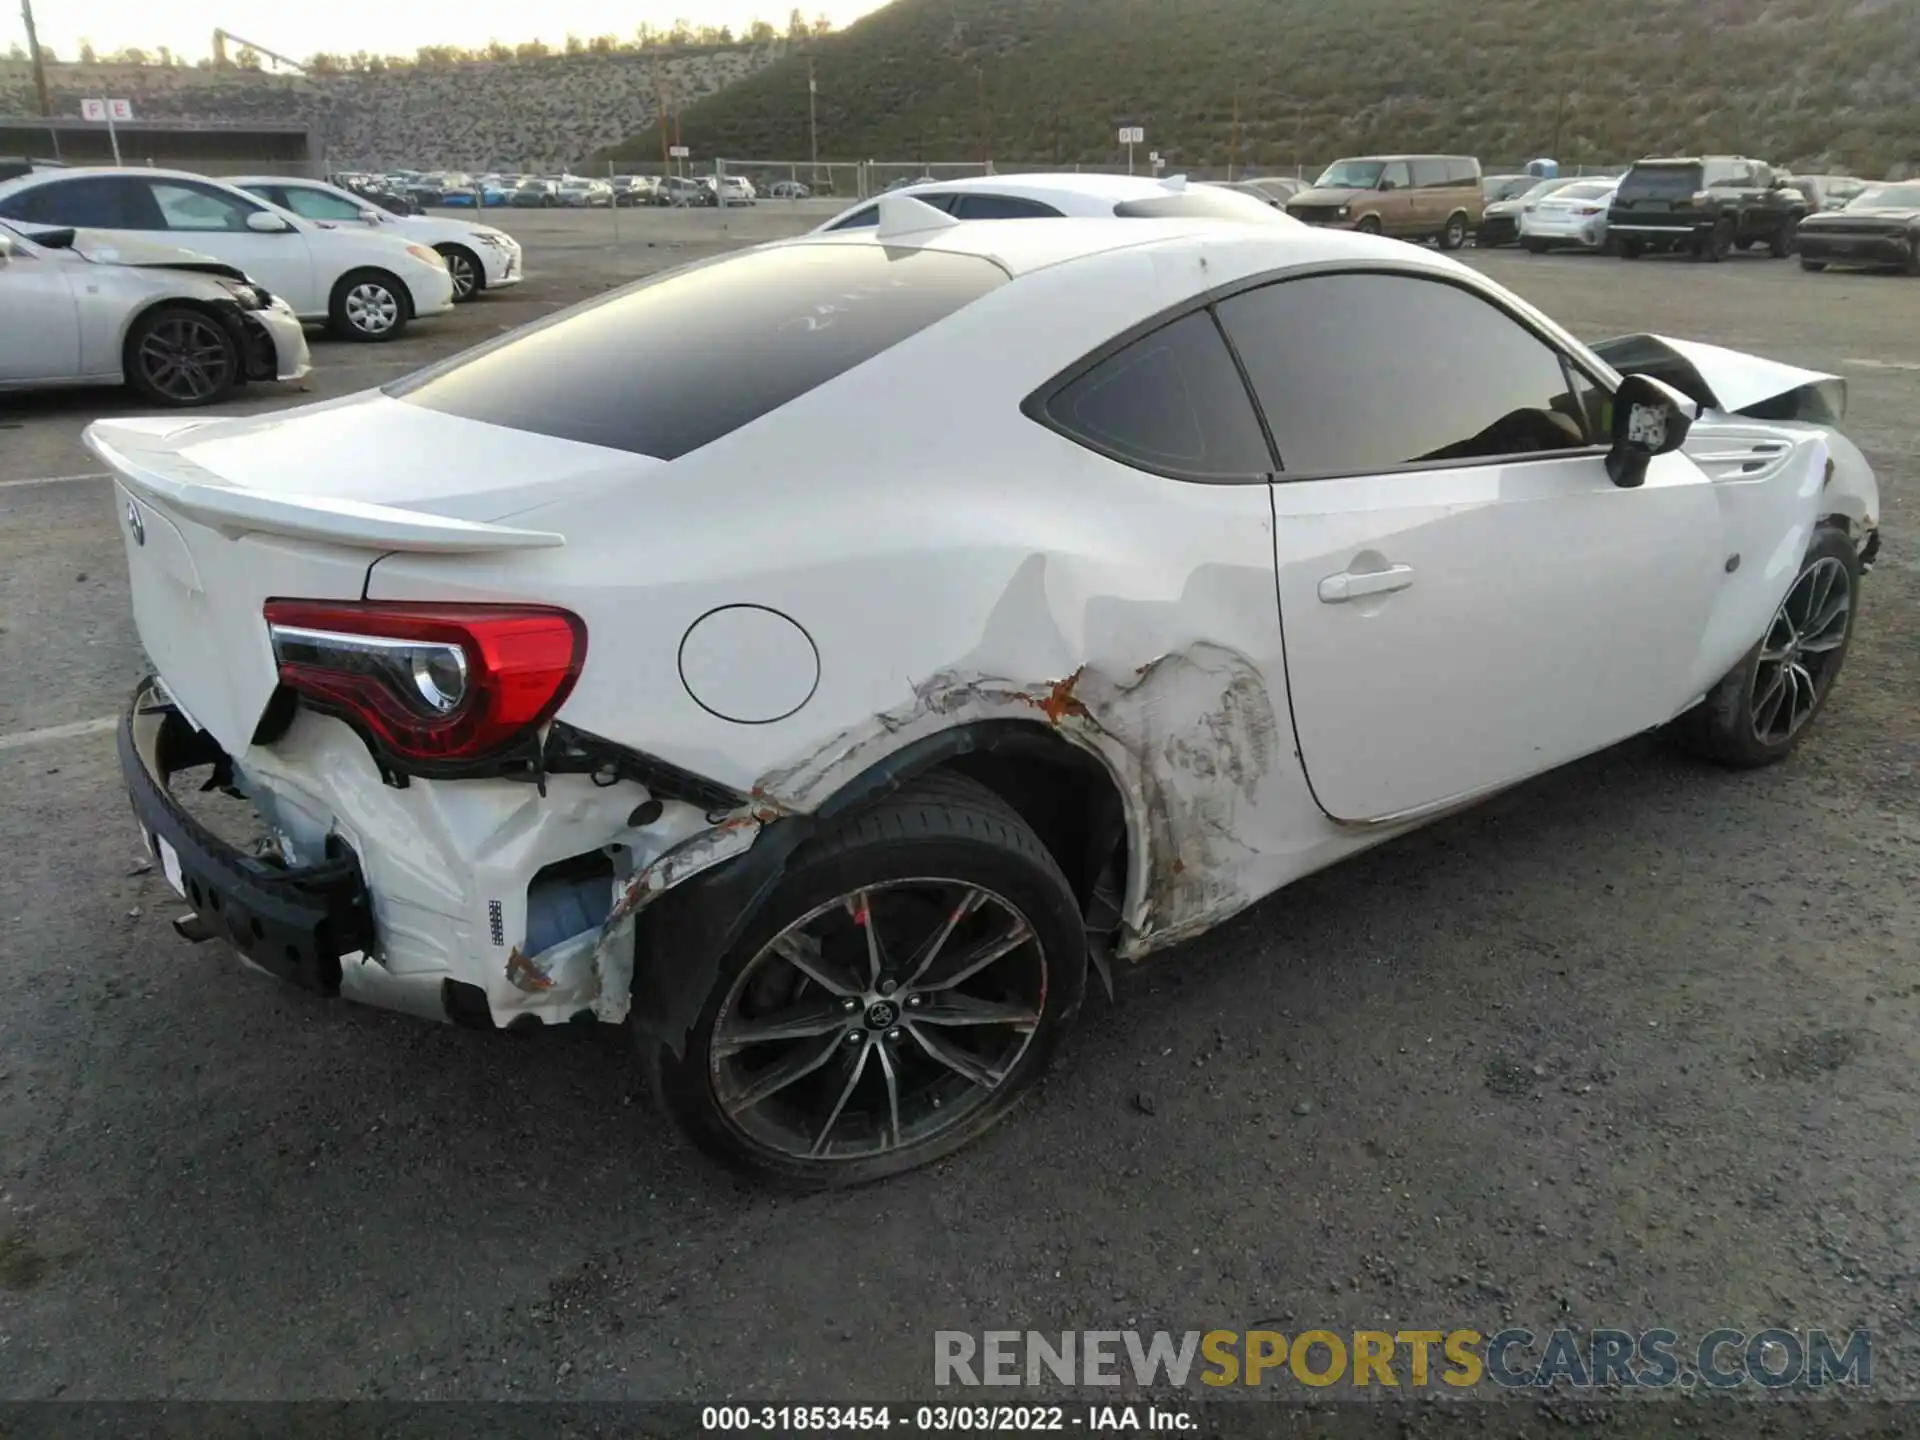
(1142, 567)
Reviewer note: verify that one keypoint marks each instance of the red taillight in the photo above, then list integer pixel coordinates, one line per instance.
(431, 684)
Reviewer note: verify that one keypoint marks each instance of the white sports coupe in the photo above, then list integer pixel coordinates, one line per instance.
(1133, 569)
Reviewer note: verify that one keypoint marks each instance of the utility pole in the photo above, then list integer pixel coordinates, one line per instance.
(39, 65)
(813, 117)
(1233, 155)
(986, 130)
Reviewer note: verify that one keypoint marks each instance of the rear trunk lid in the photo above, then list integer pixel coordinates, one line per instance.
(217, 517)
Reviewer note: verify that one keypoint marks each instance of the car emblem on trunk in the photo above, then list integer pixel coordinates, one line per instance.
(136, 524)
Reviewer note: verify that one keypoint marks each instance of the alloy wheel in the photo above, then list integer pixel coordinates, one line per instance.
(1797, 657)
(460, 268)
(372, 309)
(186, 358)
(878, 1021)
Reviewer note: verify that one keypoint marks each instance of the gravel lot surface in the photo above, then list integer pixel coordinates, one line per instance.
(1632, 1045)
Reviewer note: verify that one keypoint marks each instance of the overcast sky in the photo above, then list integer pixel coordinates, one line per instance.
(343, 26)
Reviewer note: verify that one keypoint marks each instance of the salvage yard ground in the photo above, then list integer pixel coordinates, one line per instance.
(1636, 1045)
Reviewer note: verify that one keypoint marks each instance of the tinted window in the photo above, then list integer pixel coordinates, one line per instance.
(869, 216)
(99, 202)
(1395, 176)
(186, 206)
(999, 207)
(1362, 373)
(1171, 401)
(665, 366)
(1429, 173)
(1660, 182)
(1211, 202)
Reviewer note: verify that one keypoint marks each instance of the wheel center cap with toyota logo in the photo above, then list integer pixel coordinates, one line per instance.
(881, 1014)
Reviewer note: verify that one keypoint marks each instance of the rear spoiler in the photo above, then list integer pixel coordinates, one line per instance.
(1729, 380)
(184, 488)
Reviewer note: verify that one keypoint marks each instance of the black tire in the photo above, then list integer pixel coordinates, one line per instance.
(1368, 225)
(1533, 246)
(1733, 725)
(1455, 233)
(469, 275)
(1913, 256)
(1627, 249)
(1716, 244)
(1806, 264)
(357, 311)
(1785, 238)
(971, 842)
(179, 356)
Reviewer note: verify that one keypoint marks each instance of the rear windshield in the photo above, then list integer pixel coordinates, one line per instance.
(1211, 202)
(665, 366)
(1660, 182)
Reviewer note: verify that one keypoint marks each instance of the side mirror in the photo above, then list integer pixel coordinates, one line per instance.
(265, 222)
(1386, 184)
(1650, 418)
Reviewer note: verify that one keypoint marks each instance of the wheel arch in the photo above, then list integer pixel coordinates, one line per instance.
(222, 313)
(1067, 793)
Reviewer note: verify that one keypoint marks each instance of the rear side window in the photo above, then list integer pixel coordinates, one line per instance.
(96, 202)
(1463, 171)
(1171, 402)
(1429, 174)
(668, 365)
(999, 207)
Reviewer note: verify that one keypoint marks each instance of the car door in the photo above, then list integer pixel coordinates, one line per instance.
(208, 218)
(1466, 597)
(1429, 197)
(40, 336)
(1397, 211)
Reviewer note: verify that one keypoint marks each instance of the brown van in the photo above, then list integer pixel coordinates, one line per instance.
(1411, 196)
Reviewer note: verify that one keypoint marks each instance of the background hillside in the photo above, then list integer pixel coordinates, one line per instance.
(1812, 83)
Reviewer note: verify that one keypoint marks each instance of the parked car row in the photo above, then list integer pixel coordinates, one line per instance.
(1704, 205)
(184, 286)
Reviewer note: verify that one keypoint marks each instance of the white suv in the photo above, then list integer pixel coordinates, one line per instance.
(363, 285)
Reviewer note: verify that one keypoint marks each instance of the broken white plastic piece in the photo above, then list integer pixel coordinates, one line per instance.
(904, 215)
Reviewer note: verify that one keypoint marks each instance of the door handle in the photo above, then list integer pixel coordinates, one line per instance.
(1347, 585)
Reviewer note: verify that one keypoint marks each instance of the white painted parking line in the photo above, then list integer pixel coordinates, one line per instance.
(53, 479)
(21, 739)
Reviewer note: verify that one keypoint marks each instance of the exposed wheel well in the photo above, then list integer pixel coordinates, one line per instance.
(185, 302)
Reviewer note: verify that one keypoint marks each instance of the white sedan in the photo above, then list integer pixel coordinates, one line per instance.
(1047, 196)
(1574, 216)
(478, 257)
(178, 327)
(567, 686)
(363, 285)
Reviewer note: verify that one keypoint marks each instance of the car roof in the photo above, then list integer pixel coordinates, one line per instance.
(1091, 185)
(131, 172)
(1042, 243)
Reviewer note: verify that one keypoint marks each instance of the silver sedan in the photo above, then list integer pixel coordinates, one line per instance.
(178, 327)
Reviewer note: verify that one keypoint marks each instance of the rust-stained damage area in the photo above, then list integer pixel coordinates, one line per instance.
(1187, 739)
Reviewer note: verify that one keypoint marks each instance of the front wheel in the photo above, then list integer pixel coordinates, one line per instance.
(903, 987)
(464, 268)
(368, 305)
(1762, 708)
(177, 355)
(1369, 225)
(1534, 247)
(1627, 249)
